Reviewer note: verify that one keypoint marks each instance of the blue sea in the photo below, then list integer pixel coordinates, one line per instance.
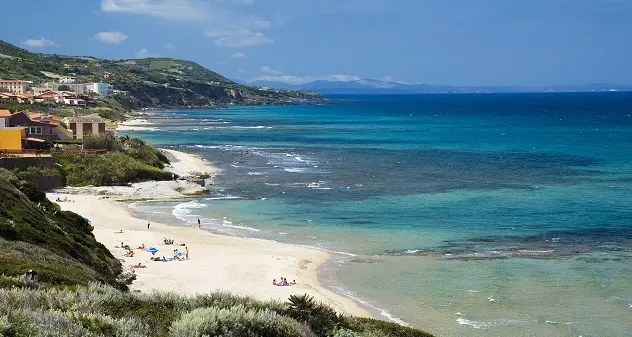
(464, 215)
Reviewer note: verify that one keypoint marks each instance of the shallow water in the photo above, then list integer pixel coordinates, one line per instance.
(465, 215)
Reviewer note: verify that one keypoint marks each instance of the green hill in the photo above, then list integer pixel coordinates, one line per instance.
(36, 234)
(151, 82)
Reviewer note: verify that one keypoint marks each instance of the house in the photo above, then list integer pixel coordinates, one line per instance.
(12, 138)
(15, 86)
(67, 80)
(73, 101)
(108, 75)
(78, 88)
(47, 97)
(88, 125)
(39, 90)
(37, 125)
(101, 89)
(5, 115)
(6, 98)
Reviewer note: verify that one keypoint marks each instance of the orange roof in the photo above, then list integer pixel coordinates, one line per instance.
(5, 113)
(41, 118)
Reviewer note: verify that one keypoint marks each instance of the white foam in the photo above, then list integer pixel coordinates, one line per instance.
(240, 227)
(182, 211)
(491, 299)
(474, 324)
(472, 291)
(295, 169)
(560, 323)
(255, 173)
(225, 197)
(383, 312)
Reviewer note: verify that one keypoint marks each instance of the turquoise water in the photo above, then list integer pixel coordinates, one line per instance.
(466, 215)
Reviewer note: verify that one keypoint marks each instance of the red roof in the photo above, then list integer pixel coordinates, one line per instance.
(41, 118)
(5, 113)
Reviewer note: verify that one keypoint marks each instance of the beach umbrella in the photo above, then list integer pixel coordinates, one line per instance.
(152, 250)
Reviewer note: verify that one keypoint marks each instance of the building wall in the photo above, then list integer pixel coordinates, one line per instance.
(102, 89)
(16, 87)
(11, 139)
(4, 122)
(77, 88)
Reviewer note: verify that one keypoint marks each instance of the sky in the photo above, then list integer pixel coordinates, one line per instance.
(440, 42)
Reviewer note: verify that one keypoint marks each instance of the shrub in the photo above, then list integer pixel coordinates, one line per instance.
(235, 321)
(320, 318)
(102, 141)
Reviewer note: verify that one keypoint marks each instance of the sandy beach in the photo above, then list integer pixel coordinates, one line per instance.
(238, 265)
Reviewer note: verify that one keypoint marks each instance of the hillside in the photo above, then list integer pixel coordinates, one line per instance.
(150, 82)
(60, 246)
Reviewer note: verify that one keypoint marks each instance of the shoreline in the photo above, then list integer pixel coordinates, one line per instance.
(243, 266)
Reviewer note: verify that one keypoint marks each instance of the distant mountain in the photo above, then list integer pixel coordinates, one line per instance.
(149, 82)
(370, 86)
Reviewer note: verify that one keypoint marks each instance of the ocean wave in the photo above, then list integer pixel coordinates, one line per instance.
(240, 227)
(295, 169)
(183, 210)
(474, 324)
(255, 173)
(382, 312)
(560, 323)
(223, 197)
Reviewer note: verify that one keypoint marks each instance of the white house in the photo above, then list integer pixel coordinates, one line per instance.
(101, 89)
(67, 80)
(88, 125)
(77, 88)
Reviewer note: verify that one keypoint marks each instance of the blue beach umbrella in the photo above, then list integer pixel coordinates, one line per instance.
(152, 250)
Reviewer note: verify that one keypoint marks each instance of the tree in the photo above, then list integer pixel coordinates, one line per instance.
(64, 87)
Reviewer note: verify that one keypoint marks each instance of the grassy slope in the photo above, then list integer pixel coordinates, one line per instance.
(153, 82)
(36, 234)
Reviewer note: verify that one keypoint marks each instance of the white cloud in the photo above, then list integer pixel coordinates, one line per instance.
(238, 55)
(235, 37)
(226, 25)
(144, 53)
(38, 43)
(168, 9)
(291, 79)
(270, 70)
(111, 37)
(170, 46)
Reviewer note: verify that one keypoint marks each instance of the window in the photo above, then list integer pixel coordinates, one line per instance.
(35, 130)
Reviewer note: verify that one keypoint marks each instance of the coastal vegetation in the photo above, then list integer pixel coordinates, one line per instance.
(126, 160)
(36, 234)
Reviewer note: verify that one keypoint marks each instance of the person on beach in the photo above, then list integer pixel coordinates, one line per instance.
(199, 223)
(186, 254)
(148, 224)
(274, 282)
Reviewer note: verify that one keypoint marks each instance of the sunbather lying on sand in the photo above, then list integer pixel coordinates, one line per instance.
(139, 265)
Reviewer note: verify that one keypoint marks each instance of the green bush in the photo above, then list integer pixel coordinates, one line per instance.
(111, 168)
(321, 319)
(102, 141)
(236, 321)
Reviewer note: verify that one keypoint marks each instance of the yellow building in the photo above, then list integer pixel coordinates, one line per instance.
(15, 86)
(11, 138)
